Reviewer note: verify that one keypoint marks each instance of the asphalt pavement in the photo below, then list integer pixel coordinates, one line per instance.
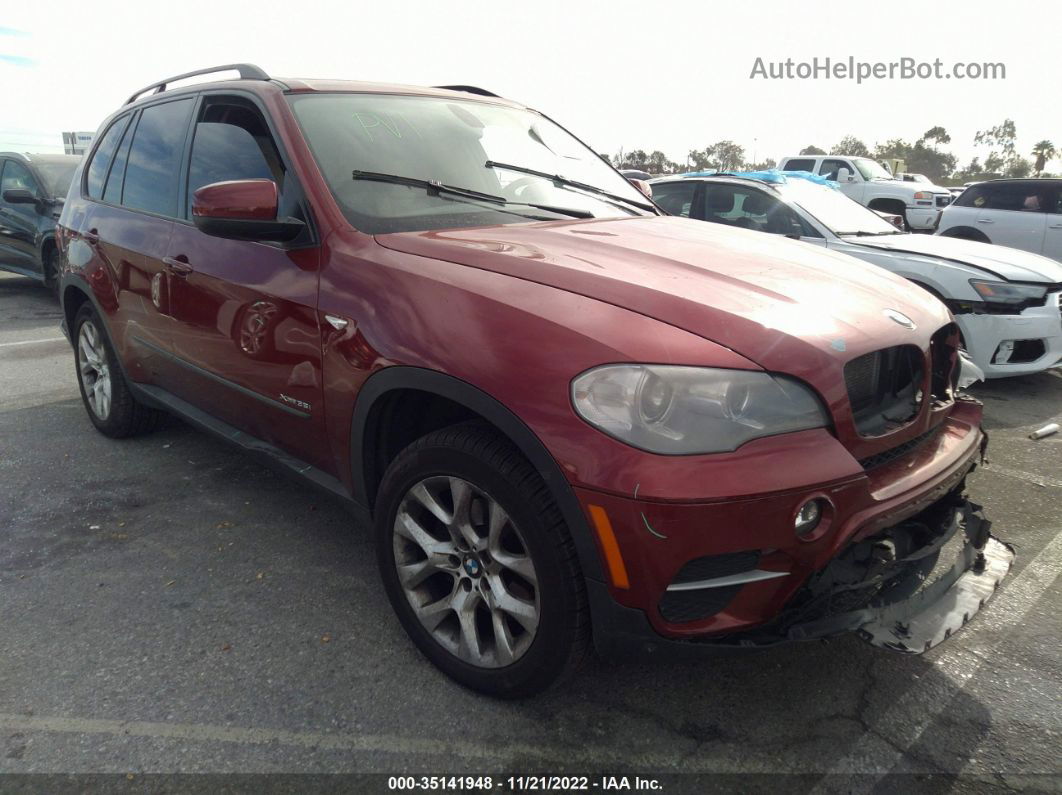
(168, 605)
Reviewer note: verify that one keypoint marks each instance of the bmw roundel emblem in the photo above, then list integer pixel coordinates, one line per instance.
(472, 567)
(899, 317)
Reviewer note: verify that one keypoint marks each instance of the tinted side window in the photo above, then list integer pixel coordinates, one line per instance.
(113, 192)
(751, 208)
(101, 159)
(232, 142)
(800, 165)
(676, 198)
(17, 177)
(829, 168)
(155, 158)
(973, 196)
(1031, 197)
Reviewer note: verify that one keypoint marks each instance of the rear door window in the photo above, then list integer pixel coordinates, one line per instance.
(676, 198)
(800, 165)
(100, 164)
(155, 158)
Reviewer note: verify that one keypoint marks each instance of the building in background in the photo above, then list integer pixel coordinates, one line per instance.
(77, 143)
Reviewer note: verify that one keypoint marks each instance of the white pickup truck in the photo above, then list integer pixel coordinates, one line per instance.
(868, 182)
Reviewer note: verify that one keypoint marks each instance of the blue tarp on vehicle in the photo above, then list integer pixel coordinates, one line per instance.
(772, 176)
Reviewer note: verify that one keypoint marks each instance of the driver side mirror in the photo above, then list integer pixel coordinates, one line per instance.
(844, 175)
(643, 186)
(19, 196)
(243, 209)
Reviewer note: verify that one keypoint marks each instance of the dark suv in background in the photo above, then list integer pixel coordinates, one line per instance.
(32, 189)
(569, 417)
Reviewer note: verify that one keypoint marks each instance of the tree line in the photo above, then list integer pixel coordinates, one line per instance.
(924, 156)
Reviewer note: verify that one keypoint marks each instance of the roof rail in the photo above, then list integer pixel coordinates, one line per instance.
(470, 90)
(248, 71)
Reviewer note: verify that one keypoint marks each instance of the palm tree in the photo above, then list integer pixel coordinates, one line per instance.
(1043, 151)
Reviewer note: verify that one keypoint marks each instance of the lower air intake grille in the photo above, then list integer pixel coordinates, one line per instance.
(680, 607)
(699, 603)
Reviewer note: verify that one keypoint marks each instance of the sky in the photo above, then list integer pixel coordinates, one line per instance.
(669, 75)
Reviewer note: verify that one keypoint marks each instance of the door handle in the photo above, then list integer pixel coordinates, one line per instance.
(177, 266)
(92, 237)
(1055, 226)
(985, 221)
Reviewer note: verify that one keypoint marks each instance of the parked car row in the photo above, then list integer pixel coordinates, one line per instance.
(32, 190)
(572, 419)
(1005, 301)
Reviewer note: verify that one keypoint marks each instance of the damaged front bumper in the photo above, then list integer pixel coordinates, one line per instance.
(910, 587)
(905, 589)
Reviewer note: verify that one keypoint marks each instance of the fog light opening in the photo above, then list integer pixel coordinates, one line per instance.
(808, 517)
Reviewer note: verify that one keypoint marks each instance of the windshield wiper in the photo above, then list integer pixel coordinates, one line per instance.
(863, 233)
(434, 187)
(558, 180)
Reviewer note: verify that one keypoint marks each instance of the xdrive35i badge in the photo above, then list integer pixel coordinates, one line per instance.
(299, 404)
(899, 317)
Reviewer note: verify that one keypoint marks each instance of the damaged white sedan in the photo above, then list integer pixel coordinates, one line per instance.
(1007, 303)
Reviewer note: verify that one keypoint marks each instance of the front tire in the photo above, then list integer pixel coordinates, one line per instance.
(479, 565)
(110, 403)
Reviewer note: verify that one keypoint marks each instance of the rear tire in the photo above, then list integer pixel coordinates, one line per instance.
(52, 263)
(110, 403)
(479, 565)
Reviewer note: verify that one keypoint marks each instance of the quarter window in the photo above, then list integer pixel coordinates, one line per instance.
(800, 165)
(113, 192)
(155, 158)
(100, 165)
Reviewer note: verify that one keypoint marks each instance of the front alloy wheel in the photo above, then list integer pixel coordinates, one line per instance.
(478, 563)
(464, 567)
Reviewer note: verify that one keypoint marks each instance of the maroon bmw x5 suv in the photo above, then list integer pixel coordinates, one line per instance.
(570, 419)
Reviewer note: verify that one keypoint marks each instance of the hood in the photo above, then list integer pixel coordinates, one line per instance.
(912, 187)
(788, 306)
(1009, 263)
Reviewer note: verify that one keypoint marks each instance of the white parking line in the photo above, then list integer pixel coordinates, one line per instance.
(32, 342)
(870, 754)
(368, 743)
(1039, 480)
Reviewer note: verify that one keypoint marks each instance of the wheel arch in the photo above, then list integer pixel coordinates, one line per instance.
(889, 204)
(375, 439)
(966, 233)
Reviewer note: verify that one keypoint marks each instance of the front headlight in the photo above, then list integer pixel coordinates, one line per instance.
(1008, 293)
(923, 194)
(688, 410)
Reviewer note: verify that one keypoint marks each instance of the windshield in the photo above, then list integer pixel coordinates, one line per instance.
(835, 211)
(451, 141)
(871, 169)
(57, 177)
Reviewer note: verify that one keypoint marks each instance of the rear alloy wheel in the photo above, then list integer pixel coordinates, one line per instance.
(94, 372)
(479, 565)
(108, 400)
